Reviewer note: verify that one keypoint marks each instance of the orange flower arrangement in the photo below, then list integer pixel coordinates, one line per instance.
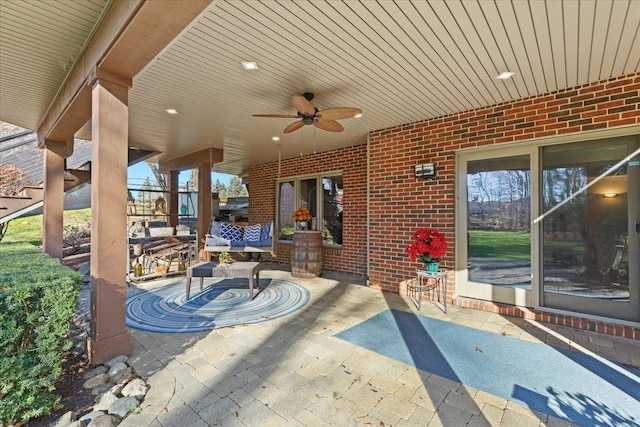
(302, 214)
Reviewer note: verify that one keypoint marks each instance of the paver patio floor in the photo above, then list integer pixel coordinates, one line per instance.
(292, 371)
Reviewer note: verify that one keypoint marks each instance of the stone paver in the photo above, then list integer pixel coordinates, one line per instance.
(293, 371)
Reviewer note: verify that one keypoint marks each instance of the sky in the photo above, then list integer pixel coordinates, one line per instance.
(137, 174)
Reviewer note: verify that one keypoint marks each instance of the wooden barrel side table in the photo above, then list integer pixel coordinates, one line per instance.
(306, 254)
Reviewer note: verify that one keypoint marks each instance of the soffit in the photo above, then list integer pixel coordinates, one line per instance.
(398, 61)
(40, 43)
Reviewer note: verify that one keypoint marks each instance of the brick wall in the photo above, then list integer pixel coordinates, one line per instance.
(401, 203)
(352, 162)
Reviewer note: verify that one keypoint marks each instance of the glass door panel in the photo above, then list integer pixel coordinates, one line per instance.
(498, 229)
(587, 226)
(332, 190)
(286, 206)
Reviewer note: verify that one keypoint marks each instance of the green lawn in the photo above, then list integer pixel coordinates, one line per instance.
(514, 245)
(29, 228)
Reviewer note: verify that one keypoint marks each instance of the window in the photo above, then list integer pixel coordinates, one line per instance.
(322, 195)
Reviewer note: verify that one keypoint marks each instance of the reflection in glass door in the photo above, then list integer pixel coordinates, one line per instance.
(588, 223)
(498, 231)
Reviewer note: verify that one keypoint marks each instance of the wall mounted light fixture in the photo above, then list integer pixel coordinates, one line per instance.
(609, 186)
(427, 170)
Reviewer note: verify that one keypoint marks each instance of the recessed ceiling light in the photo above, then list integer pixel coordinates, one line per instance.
(505, 75)
(247, 65)
(275, 138)
(358, 115)
(171, 111)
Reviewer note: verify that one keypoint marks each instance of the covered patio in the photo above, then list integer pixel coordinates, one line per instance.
(313, 367)
(182, 83)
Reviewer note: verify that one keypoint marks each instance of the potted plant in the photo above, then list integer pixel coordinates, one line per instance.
(224, 258)
(183, 230)
(183, 209)
(428, 247)
(301, 216)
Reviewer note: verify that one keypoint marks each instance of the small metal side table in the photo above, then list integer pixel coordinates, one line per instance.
(427, 281)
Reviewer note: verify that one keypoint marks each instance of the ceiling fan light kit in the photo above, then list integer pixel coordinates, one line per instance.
(310, 115)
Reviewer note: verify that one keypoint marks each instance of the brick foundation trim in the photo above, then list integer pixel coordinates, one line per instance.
(553, 318)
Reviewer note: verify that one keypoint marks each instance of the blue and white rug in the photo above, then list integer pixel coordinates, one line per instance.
(225, 303)
(583, 389)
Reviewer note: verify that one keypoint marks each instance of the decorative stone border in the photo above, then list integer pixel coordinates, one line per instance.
(114, 386)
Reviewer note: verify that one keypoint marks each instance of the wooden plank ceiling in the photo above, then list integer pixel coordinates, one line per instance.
(399, 61)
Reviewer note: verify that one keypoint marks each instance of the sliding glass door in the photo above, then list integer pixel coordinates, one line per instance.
(590, 208)
(554, 226)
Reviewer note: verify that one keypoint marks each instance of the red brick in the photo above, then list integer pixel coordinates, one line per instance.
(399, 203)
(618, 82)
(623, 122)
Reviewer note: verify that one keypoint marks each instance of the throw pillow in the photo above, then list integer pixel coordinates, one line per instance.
(215, 228)
(265, 231)
(230, 231)
(252, 233)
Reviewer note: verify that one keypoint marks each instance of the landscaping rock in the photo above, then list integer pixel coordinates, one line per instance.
(87, 418)
(94, 372)
(114, 385)
(118, 359)
(84, 269)
(80, 348)
(101, 389)
(123, 376)
(116, 389)
(104, 421)
(66, 419)
(136, 388)
(96, 381)
(117, 367)
(80, 335)
(104, 401)
(122, 406)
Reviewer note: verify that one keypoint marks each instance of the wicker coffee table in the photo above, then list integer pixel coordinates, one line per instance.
(246, 270)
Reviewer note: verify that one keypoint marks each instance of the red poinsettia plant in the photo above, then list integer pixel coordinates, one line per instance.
(428, 246)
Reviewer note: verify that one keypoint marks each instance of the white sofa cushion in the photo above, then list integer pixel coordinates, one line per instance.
(217, 241)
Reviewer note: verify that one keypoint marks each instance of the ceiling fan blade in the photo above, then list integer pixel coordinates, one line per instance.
(301, 104)
(294, 126)
(281, 116)
(330, 125)
(338, 113)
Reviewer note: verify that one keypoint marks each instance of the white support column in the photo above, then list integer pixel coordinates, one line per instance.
(109, 336)
(53, 207)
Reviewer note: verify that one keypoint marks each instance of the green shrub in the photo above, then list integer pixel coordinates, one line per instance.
(38, 297)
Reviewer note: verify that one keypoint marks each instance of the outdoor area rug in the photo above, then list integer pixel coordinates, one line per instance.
(225, 303)
(576, 387)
